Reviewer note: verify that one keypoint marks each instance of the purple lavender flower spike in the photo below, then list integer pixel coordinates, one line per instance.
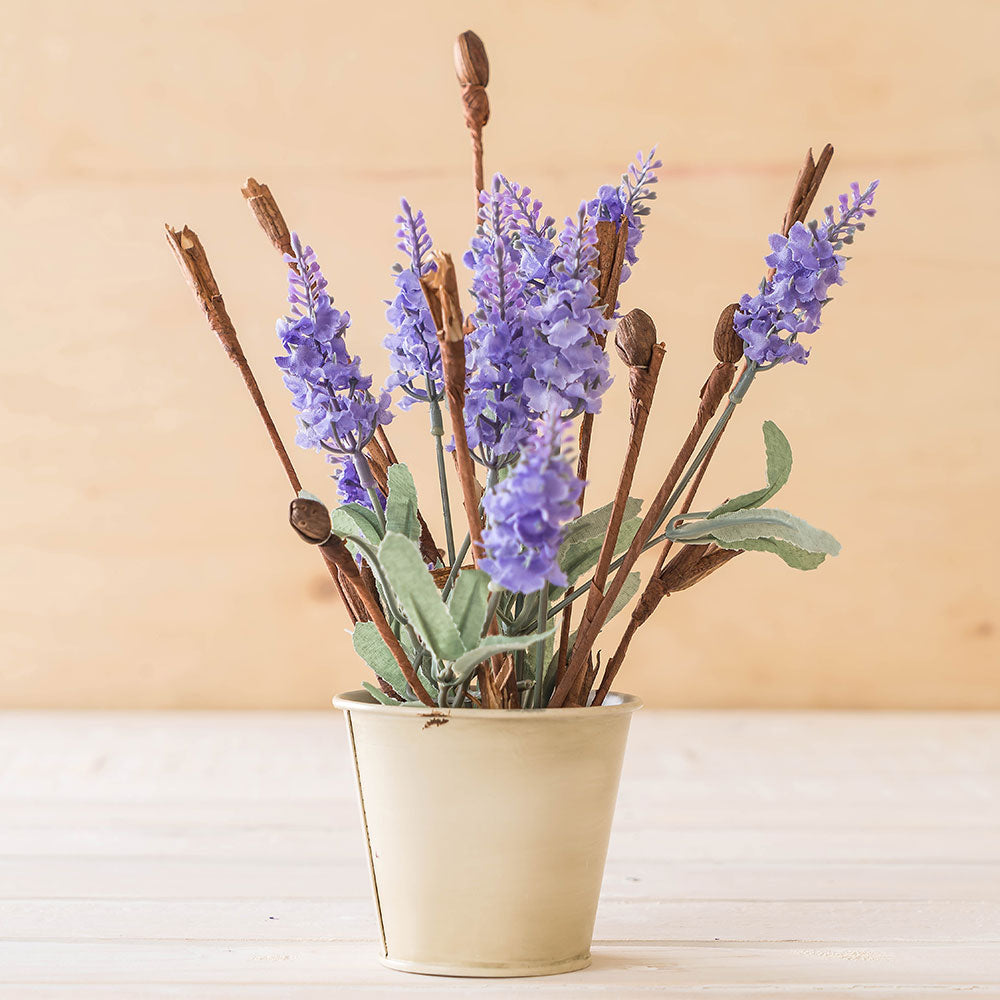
(337, 411)
(500, 345)
(414, 354)
(629, 200)
(528, 511)
(806, 266)
(531, 235)
(570, 370)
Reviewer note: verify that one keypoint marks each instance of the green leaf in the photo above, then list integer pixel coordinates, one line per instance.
(467, 604)
(494, 644)
(378, 694)
(306, 495)
(765, 530)
(779, 468)
(371, 647)
(595, 524)
(418, 596)
(581, 554)
(794, 556)
(629, 589)
(353, 519)
(401, 505)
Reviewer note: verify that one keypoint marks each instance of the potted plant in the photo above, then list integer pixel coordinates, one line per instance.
(488, 741)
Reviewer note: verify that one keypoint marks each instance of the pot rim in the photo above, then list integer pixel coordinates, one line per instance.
(360, 700)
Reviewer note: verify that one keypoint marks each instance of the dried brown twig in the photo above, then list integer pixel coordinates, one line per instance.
(635, 341)
(378, 450)
(311, 520)
(611, 243)
(194, 263)
(473, 70)
(441, 289)
(695, 562)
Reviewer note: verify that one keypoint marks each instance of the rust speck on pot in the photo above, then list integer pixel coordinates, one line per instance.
(435, 719)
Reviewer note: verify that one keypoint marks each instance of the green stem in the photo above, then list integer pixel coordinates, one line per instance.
(437, 430)
(455, 567)
(367, 480)
(376, 505)
(491, 609)
(543, 603)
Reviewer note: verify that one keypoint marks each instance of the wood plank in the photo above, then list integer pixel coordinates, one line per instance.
(578, 987)
(286, 878)
(81, 756)
(940, 844)
(619, 921)
(345, 965)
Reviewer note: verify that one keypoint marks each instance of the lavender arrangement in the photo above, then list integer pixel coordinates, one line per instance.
(509, 612)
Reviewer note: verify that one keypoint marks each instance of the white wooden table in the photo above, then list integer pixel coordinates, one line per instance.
(205, 855)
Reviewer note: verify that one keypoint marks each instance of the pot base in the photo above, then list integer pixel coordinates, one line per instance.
(484, 971)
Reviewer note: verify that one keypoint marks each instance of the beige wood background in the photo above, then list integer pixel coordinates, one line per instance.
(146, 559)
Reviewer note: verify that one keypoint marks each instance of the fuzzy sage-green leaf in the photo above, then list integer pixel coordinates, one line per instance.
(779, 468)
(401, 504)
(353, 519)
(418, 596)
(595, 524)
(581, 554)
(492, 645)
(371, 647)
(467, 604)
(378, 694)
(763, 529)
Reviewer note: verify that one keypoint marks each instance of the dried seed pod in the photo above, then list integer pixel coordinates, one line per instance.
(310, 519)
(635, 339)
(727, 343)
(471, 64)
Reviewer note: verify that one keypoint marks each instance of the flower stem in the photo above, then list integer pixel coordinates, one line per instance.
(437, 430)
(367, 480)
(456, 565)
(491, 609)
(543, 604)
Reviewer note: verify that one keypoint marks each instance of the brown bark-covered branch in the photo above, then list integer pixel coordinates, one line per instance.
(610, 258)
(685, 566)
(193, 260)
(688, 567)
(191, 256)
(472, 67)
(267, 213)
(635, 341)
(378, 451)
(442, 285)
(713, 392)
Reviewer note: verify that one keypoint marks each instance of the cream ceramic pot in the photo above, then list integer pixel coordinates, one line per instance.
(486, 831)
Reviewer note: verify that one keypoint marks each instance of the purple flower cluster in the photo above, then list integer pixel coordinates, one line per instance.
(628, 200)
(338, 413)
(806, 265)
(499, 349)
(527, 512)
(532, 343)
(570, 367)
(532, 237)
(414, 354)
